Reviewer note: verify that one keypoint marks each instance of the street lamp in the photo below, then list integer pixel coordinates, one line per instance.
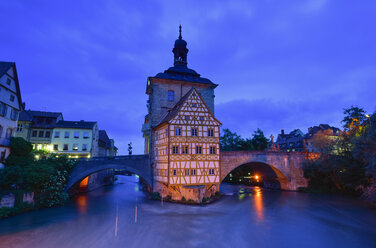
(369, 119)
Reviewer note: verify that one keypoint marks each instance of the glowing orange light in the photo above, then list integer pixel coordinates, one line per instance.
(257, 177)
(84, 183)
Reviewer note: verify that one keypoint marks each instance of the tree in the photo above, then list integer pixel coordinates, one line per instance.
(231, 141)
(259, 141)
(354, 118)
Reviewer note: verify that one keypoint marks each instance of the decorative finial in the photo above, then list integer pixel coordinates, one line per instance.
(180, 32)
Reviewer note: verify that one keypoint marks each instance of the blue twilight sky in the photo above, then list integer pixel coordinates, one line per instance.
(279, 64)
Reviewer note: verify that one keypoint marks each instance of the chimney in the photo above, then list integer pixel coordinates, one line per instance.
(283, 132)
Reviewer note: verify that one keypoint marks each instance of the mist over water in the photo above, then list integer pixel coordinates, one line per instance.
(122, 216)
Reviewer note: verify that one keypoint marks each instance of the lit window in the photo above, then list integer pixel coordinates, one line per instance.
(171, 95)
(57, 134)
(212, 150)
(186, 172)
(177, 132)
(193, 172)
(86, 135)
(76, 135)
(65, 147)
(194, 131)
(84, 147)
(185, 150)
(175, 150)
(66, 135)
(11, 98)
(210, 132)
(75, 147)
(198, 150)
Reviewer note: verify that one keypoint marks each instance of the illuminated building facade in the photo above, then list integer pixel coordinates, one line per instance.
(180, 130)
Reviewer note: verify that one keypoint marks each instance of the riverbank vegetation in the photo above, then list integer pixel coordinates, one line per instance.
(347, 164)
(27, 171)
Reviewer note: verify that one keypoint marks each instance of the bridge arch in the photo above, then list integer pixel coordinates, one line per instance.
(135, 164)
(271, 176)
(287, 167)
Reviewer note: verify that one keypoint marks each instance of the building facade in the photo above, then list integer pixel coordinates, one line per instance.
(180, 130)
(78, 139)
(106, 146)
(10, 105)
(37, 127)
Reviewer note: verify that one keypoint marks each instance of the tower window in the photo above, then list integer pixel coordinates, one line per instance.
(171, 96)
(198, 150)
(174, 172)
(177, 132)
(210, 132)
(194, 131)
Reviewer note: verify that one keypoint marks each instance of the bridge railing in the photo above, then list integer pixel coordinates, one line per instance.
(112, 158)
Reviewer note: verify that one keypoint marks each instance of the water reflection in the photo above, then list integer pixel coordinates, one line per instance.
(81, 203)
(258, 203)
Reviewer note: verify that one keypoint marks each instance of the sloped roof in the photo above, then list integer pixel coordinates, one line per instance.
(183, 73)
(28, 115)
(4, 68)
(76, 124)
(174, 111)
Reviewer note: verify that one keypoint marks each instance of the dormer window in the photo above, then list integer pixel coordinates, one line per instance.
(171, 95)
(8, 81)
(12, 98)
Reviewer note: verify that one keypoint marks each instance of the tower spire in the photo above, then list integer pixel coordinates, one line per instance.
(180, 37)
(180, 51)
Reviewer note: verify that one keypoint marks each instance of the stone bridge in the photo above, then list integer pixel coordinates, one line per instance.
(136, 164)
(284, 167)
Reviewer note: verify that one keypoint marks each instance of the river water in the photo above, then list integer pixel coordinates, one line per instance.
(121, 216)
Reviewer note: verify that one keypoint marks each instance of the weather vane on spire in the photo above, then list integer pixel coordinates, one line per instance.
(180, 31)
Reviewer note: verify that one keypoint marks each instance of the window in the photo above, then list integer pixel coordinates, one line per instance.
(198, 150)
(19, 128)
(187, 118)
(194, 105)
(56, 147)
(76, 135)
(13, 114)
(194, 131)
(211, 172)
(48, 134)
(34, 133)
(177, 132)
(86, 135)
(166, 132)
(193, 172)
(174, 172)
(66, 135)
(57, 134)
(185, 150)
(186, 172)
(11, 98)
(1, 131)
(210, 132)
(41, 134)
(84, 147)
(3, 109)
(75, 147)
(9, 133)
(212, 150)
(201, 118)
(175, 150)
(8, 81)
(171, 95)
(65, 147)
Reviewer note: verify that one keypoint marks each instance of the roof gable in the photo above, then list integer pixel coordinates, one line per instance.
(192, 105)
